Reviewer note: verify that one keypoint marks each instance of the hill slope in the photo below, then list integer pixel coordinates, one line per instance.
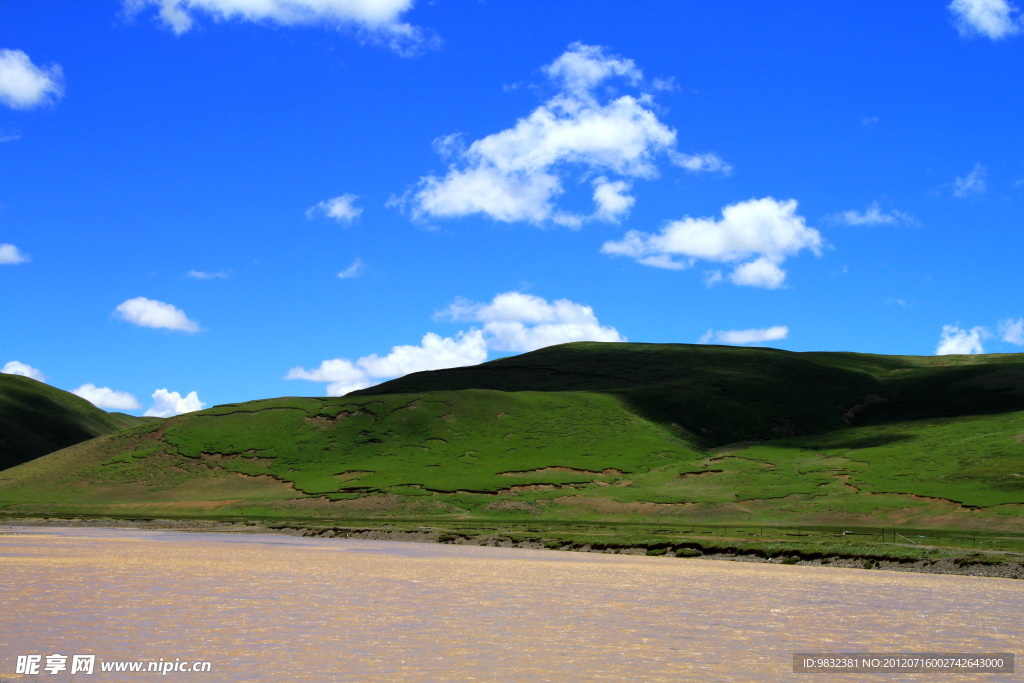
(608, 431)
(36, 419)
(724, 394)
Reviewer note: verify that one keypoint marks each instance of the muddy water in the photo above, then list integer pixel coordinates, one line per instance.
(276, 608)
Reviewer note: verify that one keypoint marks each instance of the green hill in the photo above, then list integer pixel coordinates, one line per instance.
(724, 394)
(586, 431)
(36, 419)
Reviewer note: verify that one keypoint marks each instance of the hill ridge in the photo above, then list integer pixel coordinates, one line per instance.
(942, 445)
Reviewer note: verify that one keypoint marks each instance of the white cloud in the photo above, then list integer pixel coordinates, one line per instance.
(972, 183)
(873, 215)
(17, 368)
(433, 353)
(24, 85)
(339, 208)
(870, 121)
(11, 255)
(957, 341)
(581, 68)
(107, 398)
(753, 336)
(335, 370)
(157, 314)
(991, 18)
(514, 321)
(516, 174)
(377, 20)
(612, 199)
(205, 275)
(761, 272)
(170, 403)
(768, 229)
(1012, 331)
(353, 270)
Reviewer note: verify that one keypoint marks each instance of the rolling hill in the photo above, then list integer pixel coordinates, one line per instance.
(585, 431)
(36, 419)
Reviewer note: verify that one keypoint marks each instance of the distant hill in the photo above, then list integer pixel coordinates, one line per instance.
(585, 431)
(36, 419)
(724, 394)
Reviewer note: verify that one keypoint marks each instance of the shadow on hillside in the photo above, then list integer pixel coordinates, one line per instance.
(823, 442)
(716, 395)
(941, 405)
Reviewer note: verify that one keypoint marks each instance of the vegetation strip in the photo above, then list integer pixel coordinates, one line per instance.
(861, 555)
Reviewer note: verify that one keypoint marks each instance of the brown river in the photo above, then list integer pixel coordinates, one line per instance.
(280, 609)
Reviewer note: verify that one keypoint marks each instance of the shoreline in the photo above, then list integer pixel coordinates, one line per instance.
(966, 564)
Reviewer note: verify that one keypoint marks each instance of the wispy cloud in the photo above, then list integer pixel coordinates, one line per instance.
(712, 277)
(206, 275)
(342, 209)
(737, 337)
(353, 270)
(971, 184)
(667, 84)
(1012, 331)
(872, 215)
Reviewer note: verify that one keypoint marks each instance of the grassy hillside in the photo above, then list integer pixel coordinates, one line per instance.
(36, 419)
(723, 394)
(586, 431)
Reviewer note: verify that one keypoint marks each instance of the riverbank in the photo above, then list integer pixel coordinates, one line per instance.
(895, 557)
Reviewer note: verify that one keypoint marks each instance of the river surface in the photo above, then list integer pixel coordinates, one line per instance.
(279, 609)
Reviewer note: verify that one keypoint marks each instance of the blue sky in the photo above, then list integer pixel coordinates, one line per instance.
(255, 198)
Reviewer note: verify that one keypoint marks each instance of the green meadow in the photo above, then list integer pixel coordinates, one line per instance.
(585, 432)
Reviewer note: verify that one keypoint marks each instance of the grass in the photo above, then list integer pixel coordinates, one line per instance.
(589, 433)
(36, 419)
